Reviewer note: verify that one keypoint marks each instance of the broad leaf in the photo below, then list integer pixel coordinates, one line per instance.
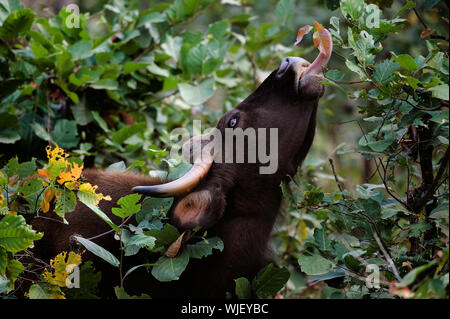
(98, 251)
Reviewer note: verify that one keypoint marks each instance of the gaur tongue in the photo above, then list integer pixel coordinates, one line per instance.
(323, 41)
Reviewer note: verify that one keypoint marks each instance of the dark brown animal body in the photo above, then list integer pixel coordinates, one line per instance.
(234, 201)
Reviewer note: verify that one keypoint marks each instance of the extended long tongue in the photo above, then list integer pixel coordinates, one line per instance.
(323, 41)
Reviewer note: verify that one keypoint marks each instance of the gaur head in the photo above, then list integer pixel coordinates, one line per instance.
(219, 184)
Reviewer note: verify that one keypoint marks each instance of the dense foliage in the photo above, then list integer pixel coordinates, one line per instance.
(108, 88)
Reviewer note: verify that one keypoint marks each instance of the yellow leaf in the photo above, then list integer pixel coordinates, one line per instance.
(49, 194)
(90, 190)
(57, 295)
(44, 173)
(73, 259)
(72, 175)
(61, 267)
(302, 231)
(45, 206)
(56, 155)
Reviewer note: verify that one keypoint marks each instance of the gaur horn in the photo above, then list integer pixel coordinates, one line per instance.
(187, 182)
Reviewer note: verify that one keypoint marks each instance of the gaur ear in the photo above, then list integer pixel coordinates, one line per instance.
(202, 208)
(310, 86)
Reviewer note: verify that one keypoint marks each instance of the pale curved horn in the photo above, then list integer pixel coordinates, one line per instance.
(184, 184)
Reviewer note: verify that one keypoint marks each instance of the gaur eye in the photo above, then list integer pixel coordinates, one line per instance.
(233, 122)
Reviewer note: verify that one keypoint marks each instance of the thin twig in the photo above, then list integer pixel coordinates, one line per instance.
(359, 277)
(111, 230)
(388, 190)
(419, 107)
(420, 18)
(352, 82)
(49, 218)
(387, 256)
(251, 57)
(335, 176)
(437, 180)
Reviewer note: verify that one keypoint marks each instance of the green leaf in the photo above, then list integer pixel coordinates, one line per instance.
(406, 62)
(12, 167)
(352, 263)
(352, 8)
(25, 169)
(81, 113)
(335, 75)
(155, 69)
(99, 213)
(39, 291)
(284, 11)
(3, 284)
(65, 133)
(179, 171)
(40, 131)
(412, 275)
(126, 132)
(355, 68)
(199, 94)
(105, 84)
(98, 251)
(16, 24)
(65, 202)
(9, 128)
(379, 144)
(117, 167)
(384, 71)
(314, 264)
(31, 190)
(121, 294)
(440, 92)
(16, 235)
(151, 208)
(131, 67)
(128, 206)
(3, 261)
(333, 273)
(100, 121)
(13, 269)
(322, 239)
(270, 280)
(168, 269)
(81, 50)
(165, 236)
(243, 288)
(195, 59)
(204, 248)
(141, 241)
(407, 6)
